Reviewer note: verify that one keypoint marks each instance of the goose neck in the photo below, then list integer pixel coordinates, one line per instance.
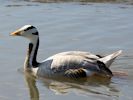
(31, 58)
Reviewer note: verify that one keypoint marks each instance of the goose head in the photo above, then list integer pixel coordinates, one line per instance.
(28, 31)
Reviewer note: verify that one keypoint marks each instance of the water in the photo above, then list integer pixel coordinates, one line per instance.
(101, 28)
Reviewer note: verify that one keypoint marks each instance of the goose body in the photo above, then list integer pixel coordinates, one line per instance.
(72, 64)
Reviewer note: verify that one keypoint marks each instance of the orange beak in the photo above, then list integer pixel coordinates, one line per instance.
(16, 33)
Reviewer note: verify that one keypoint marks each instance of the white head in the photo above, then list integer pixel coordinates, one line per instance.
(27, 31)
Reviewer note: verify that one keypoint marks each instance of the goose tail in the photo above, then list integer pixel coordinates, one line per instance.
(108, 60)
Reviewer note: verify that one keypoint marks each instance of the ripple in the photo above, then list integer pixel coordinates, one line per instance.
(83, 1)
(20, 5)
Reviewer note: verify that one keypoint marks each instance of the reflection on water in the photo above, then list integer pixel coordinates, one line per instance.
(31, 83)
(96, 85)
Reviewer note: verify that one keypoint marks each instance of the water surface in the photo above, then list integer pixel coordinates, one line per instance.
(101, 28)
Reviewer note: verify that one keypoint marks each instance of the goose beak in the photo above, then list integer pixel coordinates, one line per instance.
(16, 33)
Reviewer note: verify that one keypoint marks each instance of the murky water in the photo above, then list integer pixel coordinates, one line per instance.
(101, 28)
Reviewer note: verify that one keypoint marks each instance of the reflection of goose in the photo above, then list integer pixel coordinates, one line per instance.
(31, 83)
(73, 64)
(97, 86)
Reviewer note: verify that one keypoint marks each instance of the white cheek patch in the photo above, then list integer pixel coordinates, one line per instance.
(30, 33)
(32, 30)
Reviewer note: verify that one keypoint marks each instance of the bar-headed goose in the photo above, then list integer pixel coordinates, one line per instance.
(73, 64)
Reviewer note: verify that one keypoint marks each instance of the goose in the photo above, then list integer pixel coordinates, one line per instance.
(69, 64)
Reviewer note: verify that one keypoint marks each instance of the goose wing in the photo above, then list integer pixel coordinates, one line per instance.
(75, 64)
(72, 59)
(78, 66)
(76, 73)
